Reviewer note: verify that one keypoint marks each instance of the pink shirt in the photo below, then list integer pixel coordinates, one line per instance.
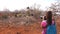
(44, 24)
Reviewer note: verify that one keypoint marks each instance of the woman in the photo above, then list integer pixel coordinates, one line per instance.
(51, 27)
(44, 25)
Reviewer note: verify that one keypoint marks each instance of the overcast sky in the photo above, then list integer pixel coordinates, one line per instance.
(19, 4)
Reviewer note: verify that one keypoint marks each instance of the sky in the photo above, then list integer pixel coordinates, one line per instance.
(20, 4)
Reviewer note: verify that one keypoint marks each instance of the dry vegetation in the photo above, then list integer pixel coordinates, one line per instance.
(22, 22)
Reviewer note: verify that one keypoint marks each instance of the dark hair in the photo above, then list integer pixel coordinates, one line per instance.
(49, 17)
(41, 17)
(44, 17)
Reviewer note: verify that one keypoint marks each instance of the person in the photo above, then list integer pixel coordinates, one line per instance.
(44, 25)
(51, 26)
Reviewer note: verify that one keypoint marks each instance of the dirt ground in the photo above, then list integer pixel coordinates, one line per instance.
(31, 29)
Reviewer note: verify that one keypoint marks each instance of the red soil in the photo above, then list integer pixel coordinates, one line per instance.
(31, 29)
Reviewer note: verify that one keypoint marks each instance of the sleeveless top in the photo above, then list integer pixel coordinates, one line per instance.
(51, 29)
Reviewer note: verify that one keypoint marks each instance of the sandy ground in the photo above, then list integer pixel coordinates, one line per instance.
(31, 29)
